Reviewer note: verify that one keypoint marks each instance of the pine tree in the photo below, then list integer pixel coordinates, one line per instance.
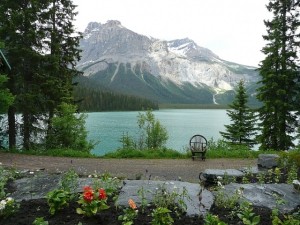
(242, 130)
(278, 71)
(19, 32)
(42, 47)
(63, 45)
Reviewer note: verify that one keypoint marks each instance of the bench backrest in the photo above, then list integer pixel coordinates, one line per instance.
(198, 143)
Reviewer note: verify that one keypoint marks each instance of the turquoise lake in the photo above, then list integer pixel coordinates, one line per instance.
(107, 128)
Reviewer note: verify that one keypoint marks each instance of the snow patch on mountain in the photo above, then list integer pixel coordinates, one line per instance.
(180, 61)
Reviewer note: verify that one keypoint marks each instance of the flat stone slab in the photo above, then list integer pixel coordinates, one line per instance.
(195, 207)
(34, 187)
(265, 195)
(211, 175)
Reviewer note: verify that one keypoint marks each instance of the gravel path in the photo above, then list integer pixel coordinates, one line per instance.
(162, 169)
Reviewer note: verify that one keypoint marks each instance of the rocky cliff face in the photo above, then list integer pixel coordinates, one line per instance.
(177, 71)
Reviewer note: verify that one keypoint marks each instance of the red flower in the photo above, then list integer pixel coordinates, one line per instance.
(87, 189)
(88, 196)
(102, 194)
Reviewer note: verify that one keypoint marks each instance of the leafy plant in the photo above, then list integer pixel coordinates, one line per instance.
(57, 200)
(213, 220)
(292, 174)
(68, 130)
(107, 182)
(8, 207)
(173, 200)
(69, 181)
(130, 213)
(40, 221)
(161, 216)
(246, 214)
(152, 134)
(92, 201)
(141, 194)
(227, 201)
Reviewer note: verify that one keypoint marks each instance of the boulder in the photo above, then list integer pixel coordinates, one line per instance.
(266, 195)
(267, 161)
(196, 205)
(210, 176)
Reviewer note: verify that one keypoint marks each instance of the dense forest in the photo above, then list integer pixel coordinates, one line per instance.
(93, 100)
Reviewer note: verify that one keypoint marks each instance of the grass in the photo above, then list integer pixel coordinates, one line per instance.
(216, 149)
(147, 154)
(56, 153)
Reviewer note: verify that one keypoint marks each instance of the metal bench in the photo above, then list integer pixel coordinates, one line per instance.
(198, 146)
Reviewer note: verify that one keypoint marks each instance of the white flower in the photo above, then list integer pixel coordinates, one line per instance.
(2, 205)
(31, 172)
(219, 178)
(220, 184)
(9, 199)
(297, 182)
(240, 192)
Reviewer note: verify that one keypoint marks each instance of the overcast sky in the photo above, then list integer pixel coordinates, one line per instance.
(232, 29)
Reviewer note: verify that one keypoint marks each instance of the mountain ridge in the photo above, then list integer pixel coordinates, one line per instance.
(175, 71)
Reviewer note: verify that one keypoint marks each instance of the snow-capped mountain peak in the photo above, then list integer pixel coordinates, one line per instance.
(181, 61)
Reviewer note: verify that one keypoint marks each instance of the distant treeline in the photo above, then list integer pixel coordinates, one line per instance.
(92, 100)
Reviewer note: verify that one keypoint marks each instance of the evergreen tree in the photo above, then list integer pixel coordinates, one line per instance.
(278, 70)
(42, 47)
(19, 32)
(242, 130)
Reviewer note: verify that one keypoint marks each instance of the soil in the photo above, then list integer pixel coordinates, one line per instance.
(166, 169)
(29, 210)
(161, 169)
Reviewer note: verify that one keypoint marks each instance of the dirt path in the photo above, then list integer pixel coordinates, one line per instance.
(166, 169)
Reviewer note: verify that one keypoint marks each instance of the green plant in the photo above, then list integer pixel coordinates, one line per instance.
(226, 201)
(107, 182)
(246, 214)
(92, 201)
(277, 174)
(152, 134)
(57, 200)
(161, 216)
(292, 174)
(288, 219)
(141, 194)
(213, 220)
(261, 178)
(68, 130)
(8, 207)
(40, 221)
(129, 214)
(173, 200)
(69, 181)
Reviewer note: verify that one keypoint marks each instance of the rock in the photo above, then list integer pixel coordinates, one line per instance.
(195, 207)
(211, 175)
(35, 187)
(268, 161)
(266, 195)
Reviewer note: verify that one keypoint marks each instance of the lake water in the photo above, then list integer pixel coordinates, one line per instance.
(107, 128)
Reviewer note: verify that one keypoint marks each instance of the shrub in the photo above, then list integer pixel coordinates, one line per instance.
(68, 130)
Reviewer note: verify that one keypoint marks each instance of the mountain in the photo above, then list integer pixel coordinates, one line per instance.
(176, 71)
